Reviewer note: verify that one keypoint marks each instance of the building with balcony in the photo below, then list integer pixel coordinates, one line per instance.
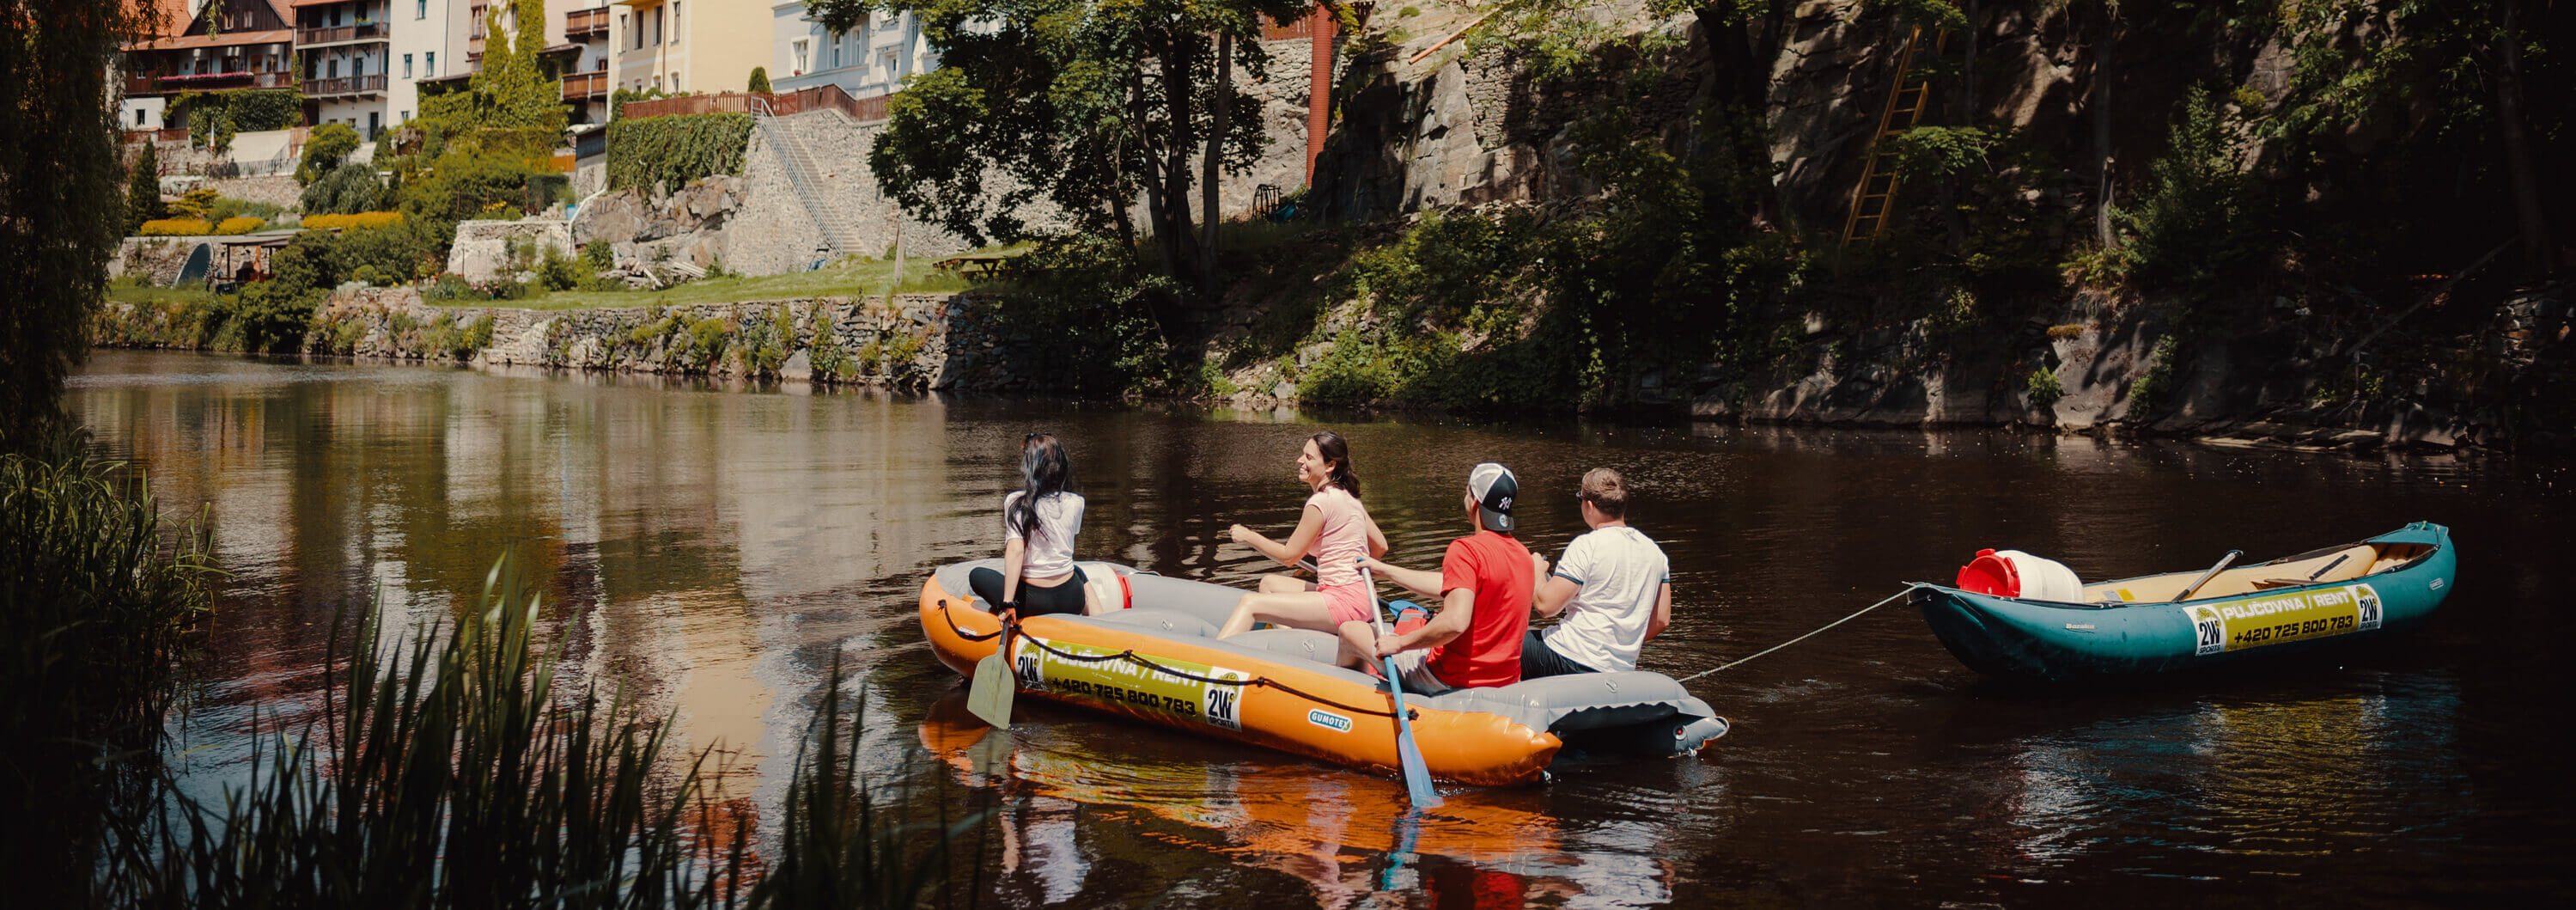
(683, 46)
(346, 51)
(870, 60)
(585, 73)
(204, 46)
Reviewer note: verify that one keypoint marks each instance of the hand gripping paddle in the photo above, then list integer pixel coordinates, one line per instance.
(1417, 774)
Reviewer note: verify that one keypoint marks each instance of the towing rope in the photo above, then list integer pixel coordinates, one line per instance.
(1909, 589)
(1131, 656)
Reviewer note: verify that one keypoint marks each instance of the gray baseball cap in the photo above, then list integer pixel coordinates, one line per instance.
(1494, 488)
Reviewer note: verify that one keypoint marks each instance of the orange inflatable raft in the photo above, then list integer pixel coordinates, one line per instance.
(1160, 661)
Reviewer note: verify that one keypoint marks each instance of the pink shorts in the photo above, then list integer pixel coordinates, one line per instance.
(1347, 603)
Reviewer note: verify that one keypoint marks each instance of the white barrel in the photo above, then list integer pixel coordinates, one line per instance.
(2043, 578)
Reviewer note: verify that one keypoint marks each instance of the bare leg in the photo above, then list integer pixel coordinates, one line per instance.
(1284, 583)
(1359, 644)
(1304, 610)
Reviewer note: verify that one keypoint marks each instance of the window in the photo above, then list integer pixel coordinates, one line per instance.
(406, 115)
(675, 22)
(406, 66)
(419, 10)
(675, 80)
(657, 81)
(804, 49)
(657, 25)
(621, 25)
(138, 117)
(836, 51)
(430, 67)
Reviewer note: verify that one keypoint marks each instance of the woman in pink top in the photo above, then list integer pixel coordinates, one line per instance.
(1336, 530)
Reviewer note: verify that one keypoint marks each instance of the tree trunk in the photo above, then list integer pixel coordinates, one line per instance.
(2528, 217)
(1224, 91)
(2101, 102)
(1742, 47)
(1172, 230)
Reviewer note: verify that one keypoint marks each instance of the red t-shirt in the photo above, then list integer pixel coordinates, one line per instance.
(1497, 568)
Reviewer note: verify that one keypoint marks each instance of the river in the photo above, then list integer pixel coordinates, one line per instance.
(721, 547)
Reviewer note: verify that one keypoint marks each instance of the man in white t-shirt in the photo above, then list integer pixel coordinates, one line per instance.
(1613, 585)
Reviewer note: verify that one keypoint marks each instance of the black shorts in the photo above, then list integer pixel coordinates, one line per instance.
(1538, 660)
(1034, 600)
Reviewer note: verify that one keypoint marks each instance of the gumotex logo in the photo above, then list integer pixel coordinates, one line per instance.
(1328, 720)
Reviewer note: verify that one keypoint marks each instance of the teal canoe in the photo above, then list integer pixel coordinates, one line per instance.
(2135, 626)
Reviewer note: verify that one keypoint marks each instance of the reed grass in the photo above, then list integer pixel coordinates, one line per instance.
(96, 602)
(451, 771)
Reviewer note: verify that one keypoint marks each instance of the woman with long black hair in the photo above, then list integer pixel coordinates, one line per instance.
(1039, 522)
(1335, 530)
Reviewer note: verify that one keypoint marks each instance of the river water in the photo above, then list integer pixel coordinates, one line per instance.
(723, 547)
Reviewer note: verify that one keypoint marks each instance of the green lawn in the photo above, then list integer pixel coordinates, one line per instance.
(127, 293)
(865, 278)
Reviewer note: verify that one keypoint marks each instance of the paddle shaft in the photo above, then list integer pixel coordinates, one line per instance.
(2206, 576)
(2338, 560)
(1417, 773)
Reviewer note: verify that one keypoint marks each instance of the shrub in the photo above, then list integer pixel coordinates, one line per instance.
(227, 207)
(2043, 387)
(2197, 222)
(176, 227)
(671, 151)
(325, 150)
(385, 255)
(707, 341)
(359, 221)
(196, 203)
(759, 80)
(240, 225)
(558, 272)
(345, 190)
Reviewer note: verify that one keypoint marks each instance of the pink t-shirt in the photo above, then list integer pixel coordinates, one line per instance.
(1338, 548)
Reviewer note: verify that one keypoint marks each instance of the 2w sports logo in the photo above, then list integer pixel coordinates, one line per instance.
(1025, 664)
(2367, 610)
(1221, 704)
(2209, 631)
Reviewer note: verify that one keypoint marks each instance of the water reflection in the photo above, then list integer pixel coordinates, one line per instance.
(1349, 838)
(716, 551)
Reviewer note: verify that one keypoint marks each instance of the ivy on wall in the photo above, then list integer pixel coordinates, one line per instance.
(243, 110)
(671, 151)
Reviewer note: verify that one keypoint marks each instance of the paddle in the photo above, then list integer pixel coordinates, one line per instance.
(989, 696)
(2312, 576)
(2206, 576)
(1417, 774)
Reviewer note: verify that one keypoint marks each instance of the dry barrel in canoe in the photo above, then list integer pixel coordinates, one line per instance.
(2143, 625)
(1159, 661)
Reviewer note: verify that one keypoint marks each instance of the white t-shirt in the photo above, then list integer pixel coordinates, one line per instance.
(1050, 550)
(1617, 573)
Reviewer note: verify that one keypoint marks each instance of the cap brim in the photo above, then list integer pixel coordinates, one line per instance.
(1500, 522)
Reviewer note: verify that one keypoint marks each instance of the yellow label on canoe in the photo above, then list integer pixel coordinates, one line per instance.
(2256, 620)
(1175, 687)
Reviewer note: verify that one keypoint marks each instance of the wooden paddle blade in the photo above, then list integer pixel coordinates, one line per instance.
(989, 696)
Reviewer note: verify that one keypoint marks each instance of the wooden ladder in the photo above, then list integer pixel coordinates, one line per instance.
(1873, 202)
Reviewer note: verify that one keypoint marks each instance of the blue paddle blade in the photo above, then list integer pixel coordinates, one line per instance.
(1417, 773)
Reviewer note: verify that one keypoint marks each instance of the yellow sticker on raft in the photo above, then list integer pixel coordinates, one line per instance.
(1190, 691)
(2271, 619)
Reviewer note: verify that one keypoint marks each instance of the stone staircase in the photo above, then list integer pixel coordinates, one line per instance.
(807, 179)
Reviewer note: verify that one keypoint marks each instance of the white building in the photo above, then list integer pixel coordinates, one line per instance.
(873, 58)
(421, 36)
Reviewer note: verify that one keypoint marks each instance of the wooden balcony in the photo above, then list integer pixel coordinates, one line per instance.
(162, 85)
(580, 86)
(586, 24)
(345, 85)
(366, 31)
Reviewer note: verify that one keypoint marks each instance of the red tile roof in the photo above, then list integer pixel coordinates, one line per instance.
(227, 39)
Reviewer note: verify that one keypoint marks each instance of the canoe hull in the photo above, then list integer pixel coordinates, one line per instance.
(2027, 639)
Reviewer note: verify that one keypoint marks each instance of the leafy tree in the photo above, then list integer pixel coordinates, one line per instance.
(347, 190)
(324, 150)
(759, 80)
(513, 90)
(143, 189)
(56, 233)
(1083, 105)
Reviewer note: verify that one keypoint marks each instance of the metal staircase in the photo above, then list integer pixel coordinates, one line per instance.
(1872, 204)
(806, 178)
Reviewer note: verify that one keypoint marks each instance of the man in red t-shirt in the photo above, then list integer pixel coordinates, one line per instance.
(1484, 586)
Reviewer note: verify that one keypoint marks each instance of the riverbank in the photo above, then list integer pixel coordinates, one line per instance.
(2096, 364)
